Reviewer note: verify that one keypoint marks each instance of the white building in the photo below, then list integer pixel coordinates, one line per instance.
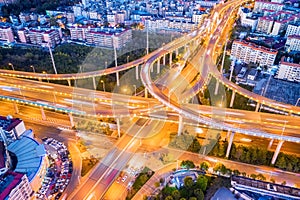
(14, 185)
(251, 53)
(6, 34)
(198, 18)
(292, 29)
(289, 71)
(293, 43)
(265, 25)
(260, 5)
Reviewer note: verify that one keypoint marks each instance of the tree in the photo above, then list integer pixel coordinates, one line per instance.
(204, 166)
(188, 182)
(192, 198)
(281, 162)
(283, 183)
(199, 194)
(236, 172)
(253, 176)
(272, 180)
(176, 194)
(169, 198)
(187, 164)
(202, 182)
(260, 177)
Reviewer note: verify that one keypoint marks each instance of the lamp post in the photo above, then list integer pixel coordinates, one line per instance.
(127, 59)
(46, 75)
(31, 66)
(12, 66)
(103, 85)
(134, 90)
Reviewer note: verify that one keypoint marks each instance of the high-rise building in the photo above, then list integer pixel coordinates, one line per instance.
(251, 53)
(293, 29)
(288, 71)
(6, 34)
(293, 43)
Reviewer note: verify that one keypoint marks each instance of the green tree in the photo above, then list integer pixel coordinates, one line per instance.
(204, 166)
(260, 177)
(236, 172)
(199, 194)
(192, 198)
(169, 198)
(188, 182)
(253, 176)
(187, 164)
(202, 182)
(176, 194)
(281, 162)
(283, 183)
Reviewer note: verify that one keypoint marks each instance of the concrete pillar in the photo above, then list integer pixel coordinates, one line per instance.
(217, 87)
(40, 79)
(71, 120)
(229, 144)
(170, 59)
(164, 60)
(180, 125)
(94, 83)
(137, 72)
(232, 99)
(176, 51)
(257, 107)
(16, 108)
(270, 144)
(228, 134)
(151, 68)
(43, 113)
(118, 80)
(69, 82)
(146, 93)
(118, 127)
(276, 152)
(158, 66)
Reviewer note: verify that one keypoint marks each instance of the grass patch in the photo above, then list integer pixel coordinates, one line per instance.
(88, 164)
(143, 177)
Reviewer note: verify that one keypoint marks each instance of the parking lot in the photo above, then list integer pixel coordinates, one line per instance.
(59, 170)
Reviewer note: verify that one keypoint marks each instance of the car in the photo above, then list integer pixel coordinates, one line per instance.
(124, 178)
(58, 196)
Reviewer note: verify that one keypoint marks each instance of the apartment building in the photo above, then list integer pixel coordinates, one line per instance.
(265, 25)
(293, 43)
(260, 5)
(78, 32)
(288, 71)
(293, 29)
(14, 185)
(6, 34)
(167, 24)
(251, 53)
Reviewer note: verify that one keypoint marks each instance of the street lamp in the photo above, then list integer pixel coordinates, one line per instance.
(134, 90)
(46, 75)
(12, 66)
(127, 58)
(31, 66)
(103, 85)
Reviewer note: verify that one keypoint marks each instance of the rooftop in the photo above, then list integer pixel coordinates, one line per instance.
(8, 124)
(8, 182)
(30, 155)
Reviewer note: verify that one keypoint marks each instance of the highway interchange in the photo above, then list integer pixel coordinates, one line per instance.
(102, 104)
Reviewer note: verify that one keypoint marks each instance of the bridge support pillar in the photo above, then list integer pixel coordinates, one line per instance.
(94, 83)
(180, 125)
(232, 98)
(257, 107)
(118, 127)
(118, 80)
(230, 141)
(170, 59)
(176, 51)
(146, 93)
(43, 114)
(276, 152)
(151, 68)
(69, 82)
(164, 60)
(71, 120)
(137, 72)
(16, 108)
(217, 87)
(270, 144)
(158, 66)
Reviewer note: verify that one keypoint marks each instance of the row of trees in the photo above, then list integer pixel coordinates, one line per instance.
(185, 142)
(257, 156)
